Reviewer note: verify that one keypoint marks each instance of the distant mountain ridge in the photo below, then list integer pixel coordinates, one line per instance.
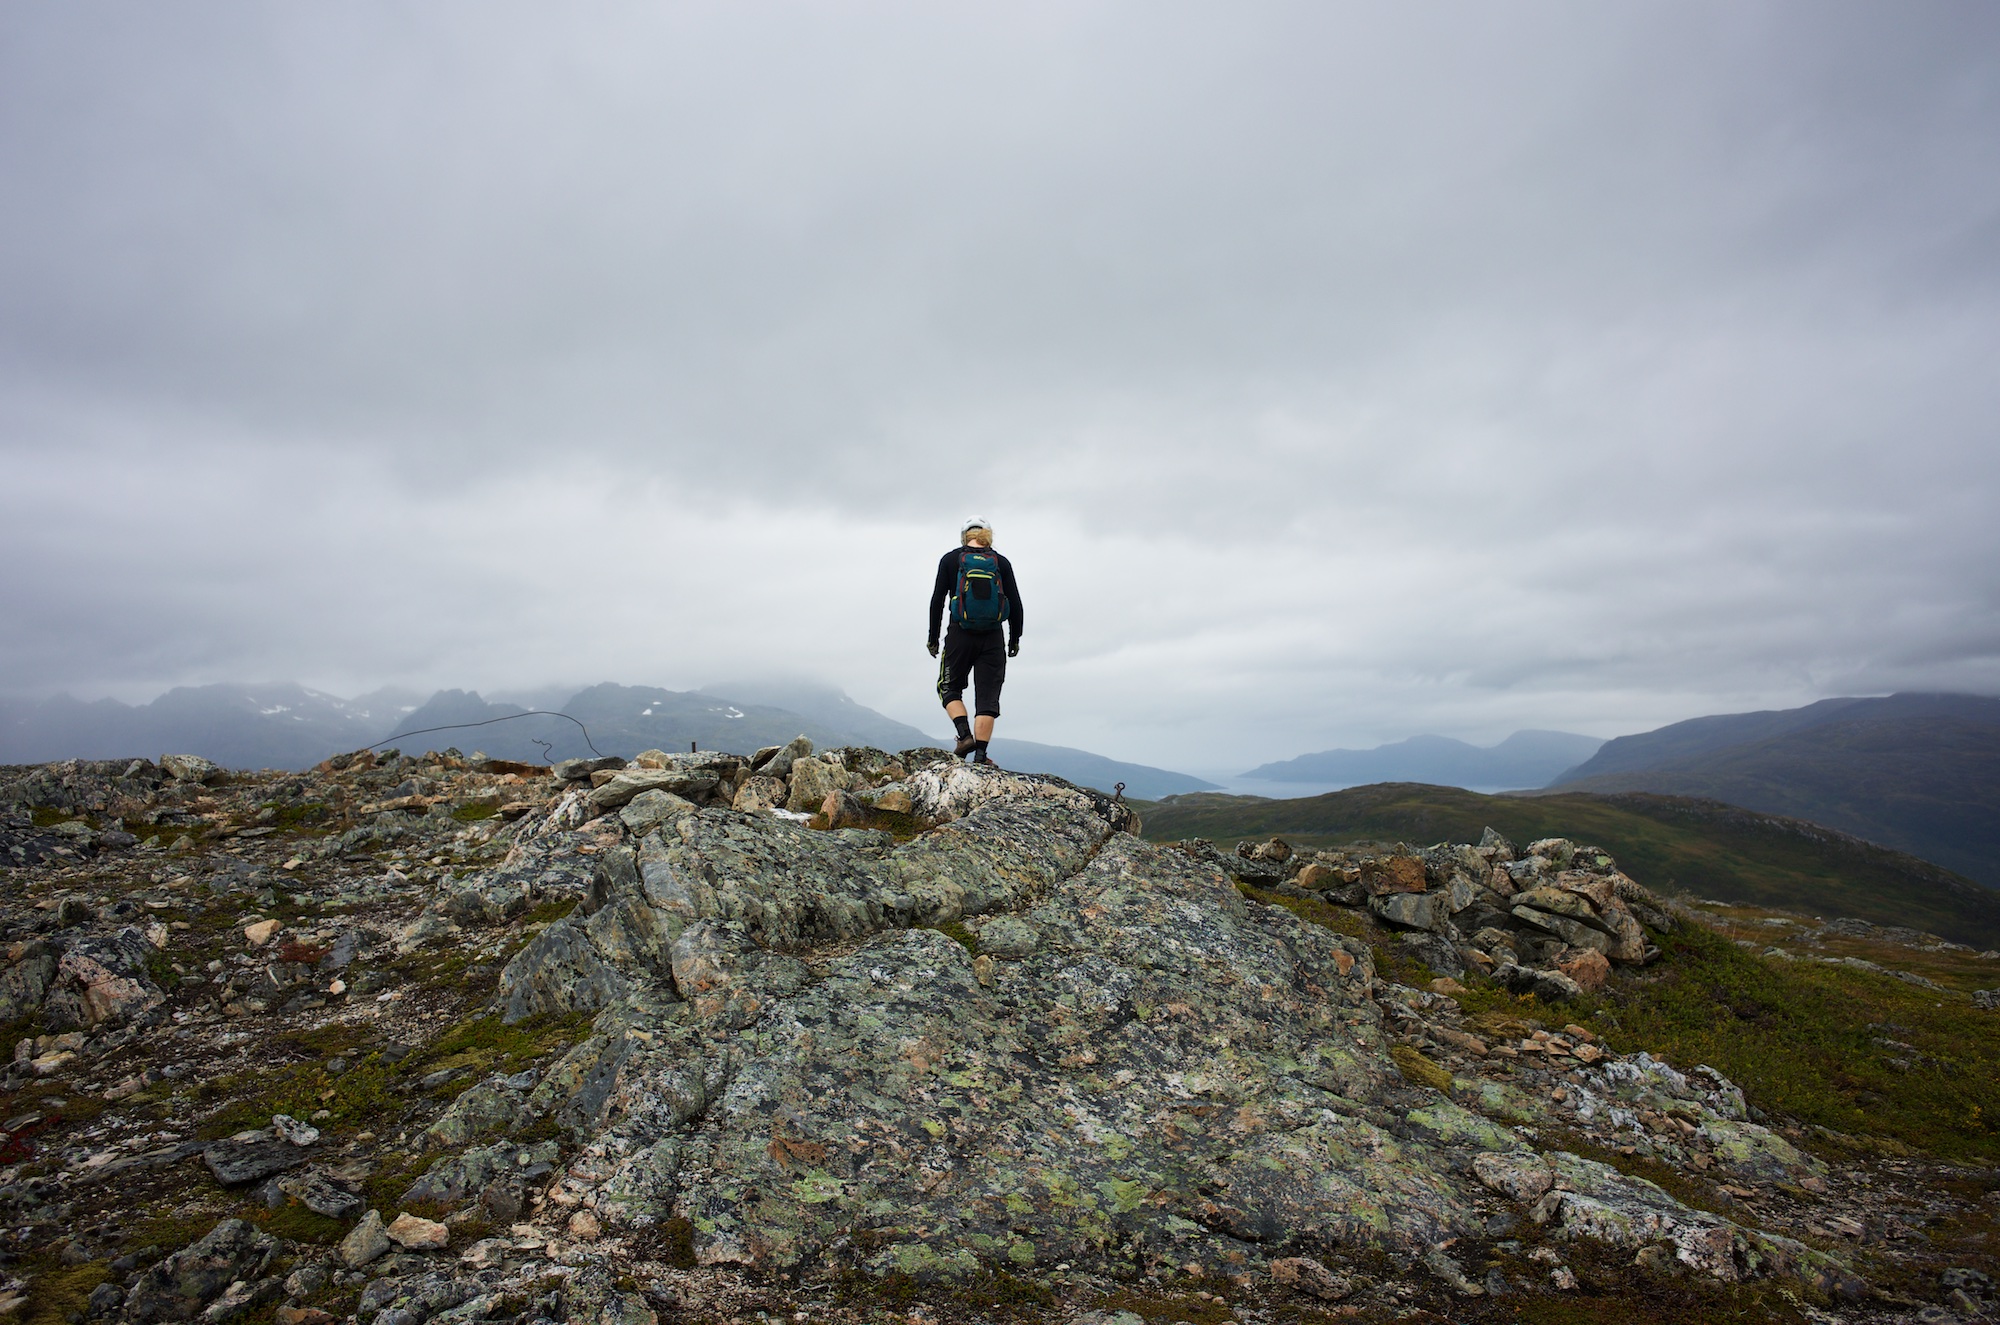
(1524, 759)
(1916, 772)
(281, 725)
(269, 725)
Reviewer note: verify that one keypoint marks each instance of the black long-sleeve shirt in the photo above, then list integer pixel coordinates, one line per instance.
(947, 582)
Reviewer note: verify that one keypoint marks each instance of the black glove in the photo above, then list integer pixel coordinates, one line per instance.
(1013, 648)
(933, 648)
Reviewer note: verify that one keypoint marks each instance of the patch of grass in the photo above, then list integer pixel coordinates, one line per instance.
(959, 934)
(473, 811)
(1672, 1302)
(383, 1189)
(1166, 1305)
(1821, 1044)
(47, 816)
(311, 818)
(901, 825)
(366, 1095)
(484, 1042)
(61, 1290)
(1316, 910)
(295, 1222)
(548, 912)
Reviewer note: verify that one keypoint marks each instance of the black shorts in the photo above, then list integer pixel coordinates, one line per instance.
(982, 655)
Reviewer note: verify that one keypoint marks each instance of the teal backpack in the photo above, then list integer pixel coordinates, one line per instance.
(980, 603)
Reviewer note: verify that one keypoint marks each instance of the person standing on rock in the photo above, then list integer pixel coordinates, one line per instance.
(975, 589)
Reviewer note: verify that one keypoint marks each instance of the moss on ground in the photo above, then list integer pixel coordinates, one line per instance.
(1419, 1070)
(61, 1292)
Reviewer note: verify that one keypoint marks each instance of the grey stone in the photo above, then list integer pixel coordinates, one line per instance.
(694, 784)
(26, 983)
(579, 770)
(1562, 902)
(294, 1131)
(190, 768)
(1573, 932)
(1008, 936)
(1407, 910)
(1987, 1000)
(1434, 951)
(780, 763)
(451, 1180)
(726, 979)
(486, 1107)
(649, 809)
(234, 1162)
(315, 1189)
(558, 971)
(365, 1242)
(1549, 986)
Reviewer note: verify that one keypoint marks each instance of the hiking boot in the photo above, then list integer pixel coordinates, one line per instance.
(965, 746)
(985, 759)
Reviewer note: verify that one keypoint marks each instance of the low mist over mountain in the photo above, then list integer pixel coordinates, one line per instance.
(289, 726)
(1920, 773)
(277, 725)
(1525, 759)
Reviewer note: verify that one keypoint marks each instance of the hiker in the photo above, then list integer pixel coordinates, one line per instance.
(978, 585)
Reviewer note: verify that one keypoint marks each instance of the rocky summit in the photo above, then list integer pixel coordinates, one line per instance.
(839, 1034)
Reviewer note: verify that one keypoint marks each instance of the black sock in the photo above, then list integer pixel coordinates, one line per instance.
(964, 726)
(979, 752)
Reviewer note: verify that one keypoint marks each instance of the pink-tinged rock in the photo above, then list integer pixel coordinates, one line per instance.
(1589, 968)
(104, 994)
(418, 1234)
(1310, 1276)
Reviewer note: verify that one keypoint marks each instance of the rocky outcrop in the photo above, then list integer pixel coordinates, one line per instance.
(1027, 1037)
(1550, 920)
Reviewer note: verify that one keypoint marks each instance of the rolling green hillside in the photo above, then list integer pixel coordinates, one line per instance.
(1673, 844)
(1920, 773)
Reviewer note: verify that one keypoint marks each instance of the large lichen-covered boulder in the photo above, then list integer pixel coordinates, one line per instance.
(798, 1052)
(1168, 1074)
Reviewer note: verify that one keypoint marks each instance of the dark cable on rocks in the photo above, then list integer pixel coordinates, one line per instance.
(531, 713)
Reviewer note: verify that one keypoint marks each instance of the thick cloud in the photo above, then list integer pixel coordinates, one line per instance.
(1332, 373)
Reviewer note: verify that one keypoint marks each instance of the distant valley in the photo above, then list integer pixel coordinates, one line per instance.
(1525, 759)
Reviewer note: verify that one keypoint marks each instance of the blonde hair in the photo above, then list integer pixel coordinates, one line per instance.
(983, 537)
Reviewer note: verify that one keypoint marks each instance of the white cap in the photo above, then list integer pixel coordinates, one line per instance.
(974, 523)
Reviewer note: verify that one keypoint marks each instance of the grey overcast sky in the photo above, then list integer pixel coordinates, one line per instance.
(1332, 372)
